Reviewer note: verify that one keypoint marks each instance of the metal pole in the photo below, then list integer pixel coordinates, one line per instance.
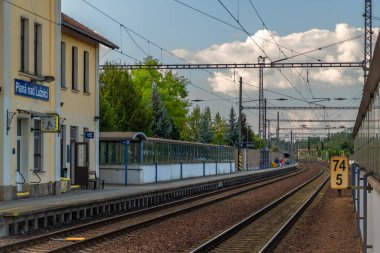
(291, 144)
(126, 147)
(365, 212)
(239, 122)
(367, 37)
(278, 129)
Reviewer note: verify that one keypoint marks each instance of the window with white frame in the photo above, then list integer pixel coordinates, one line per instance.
(24, 45)
(63, 64)
(74, 68)
(86, 87)
(37, 49)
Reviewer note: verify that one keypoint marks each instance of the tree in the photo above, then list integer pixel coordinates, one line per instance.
(190, 131)
(232, 129)
(206, 134)
(220, 129)
(121, 105)
(162, 123)
(172, 89)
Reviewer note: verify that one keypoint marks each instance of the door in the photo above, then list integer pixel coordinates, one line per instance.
(81, 163)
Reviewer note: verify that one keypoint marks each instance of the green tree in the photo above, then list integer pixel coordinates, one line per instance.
(258, 142)
(220, 129)
(162, 123)
(172, 89)
(190, 131)
(206, 133)
(121, 106)
(232, 129)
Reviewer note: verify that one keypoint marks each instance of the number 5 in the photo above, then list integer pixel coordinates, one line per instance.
(339, 179)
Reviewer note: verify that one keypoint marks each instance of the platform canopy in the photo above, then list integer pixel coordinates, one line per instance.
(120, 136)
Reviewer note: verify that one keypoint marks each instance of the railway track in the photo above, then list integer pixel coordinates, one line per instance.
(78, 237)
(261, 231)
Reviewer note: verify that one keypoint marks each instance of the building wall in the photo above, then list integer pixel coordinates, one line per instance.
(78, 107)
(43, 13)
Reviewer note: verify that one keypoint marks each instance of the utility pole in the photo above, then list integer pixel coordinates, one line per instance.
(239, 124)
(265, 119)
(268, 131)
(261, 61)
(291, 143)
(367, 37)
(278, 129)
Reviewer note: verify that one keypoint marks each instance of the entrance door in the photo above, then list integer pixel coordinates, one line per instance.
(81, 163)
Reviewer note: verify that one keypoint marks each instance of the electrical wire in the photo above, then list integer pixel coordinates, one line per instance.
(31, 12)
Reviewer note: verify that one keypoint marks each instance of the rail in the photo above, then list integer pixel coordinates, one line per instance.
(225, 235)
(110, 222)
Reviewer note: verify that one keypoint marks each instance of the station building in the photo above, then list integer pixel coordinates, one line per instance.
(49, 100)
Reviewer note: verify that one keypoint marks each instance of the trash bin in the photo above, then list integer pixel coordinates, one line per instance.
(64, 182)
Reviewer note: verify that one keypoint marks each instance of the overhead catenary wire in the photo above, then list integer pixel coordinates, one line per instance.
(261, 49)
(281, 51)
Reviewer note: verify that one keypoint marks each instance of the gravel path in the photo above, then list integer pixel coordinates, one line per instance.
(328, 226)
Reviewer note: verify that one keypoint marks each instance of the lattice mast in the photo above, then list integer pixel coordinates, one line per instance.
(367, 37)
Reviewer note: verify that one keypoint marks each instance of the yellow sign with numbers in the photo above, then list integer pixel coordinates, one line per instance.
(339, 167)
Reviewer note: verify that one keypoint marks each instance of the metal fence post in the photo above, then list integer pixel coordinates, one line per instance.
(358, 203)
(126, 151)
(156, 171)
(180, 163)
(204, 168)
(365, 220)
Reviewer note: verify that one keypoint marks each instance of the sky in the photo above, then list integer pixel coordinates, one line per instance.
(163, 28)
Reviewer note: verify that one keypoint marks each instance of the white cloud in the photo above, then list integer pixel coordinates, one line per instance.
(248, 52)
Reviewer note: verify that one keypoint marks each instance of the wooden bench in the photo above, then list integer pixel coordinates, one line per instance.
(94, 179)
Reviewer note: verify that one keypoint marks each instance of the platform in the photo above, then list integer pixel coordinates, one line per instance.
(23, 215)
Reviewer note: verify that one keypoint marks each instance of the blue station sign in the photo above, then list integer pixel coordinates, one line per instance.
(31, 90)
(89, 135)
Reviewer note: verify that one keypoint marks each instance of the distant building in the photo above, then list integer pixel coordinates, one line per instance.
(49, 98)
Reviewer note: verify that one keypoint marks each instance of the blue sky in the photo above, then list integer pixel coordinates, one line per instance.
(172, 25)
(297, 24)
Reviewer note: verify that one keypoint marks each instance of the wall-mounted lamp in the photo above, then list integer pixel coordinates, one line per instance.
(96, 118)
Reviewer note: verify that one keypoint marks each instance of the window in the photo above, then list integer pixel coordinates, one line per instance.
(37, 49)
(85, 72)
(37, 146)
(63, 64)
(24, 49)
(74, 68)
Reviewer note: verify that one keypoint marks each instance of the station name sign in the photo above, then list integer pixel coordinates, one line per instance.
(31, 90)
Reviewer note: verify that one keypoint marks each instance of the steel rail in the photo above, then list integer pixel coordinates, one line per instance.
(225, 235)
(289, 223)
(90, 241)
(262, 177)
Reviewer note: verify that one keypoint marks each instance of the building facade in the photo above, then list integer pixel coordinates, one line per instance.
(48, 98)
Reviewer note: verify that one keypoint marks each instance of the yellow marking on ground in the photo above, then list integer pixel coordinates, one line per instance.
(22, 194)
(75, 239)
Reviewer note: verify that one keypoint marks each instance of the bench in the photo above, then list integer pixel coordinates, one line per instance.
(94, 179)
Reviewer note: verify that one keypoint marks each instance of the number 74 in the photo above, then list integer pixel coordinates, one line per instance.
(341, 166)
